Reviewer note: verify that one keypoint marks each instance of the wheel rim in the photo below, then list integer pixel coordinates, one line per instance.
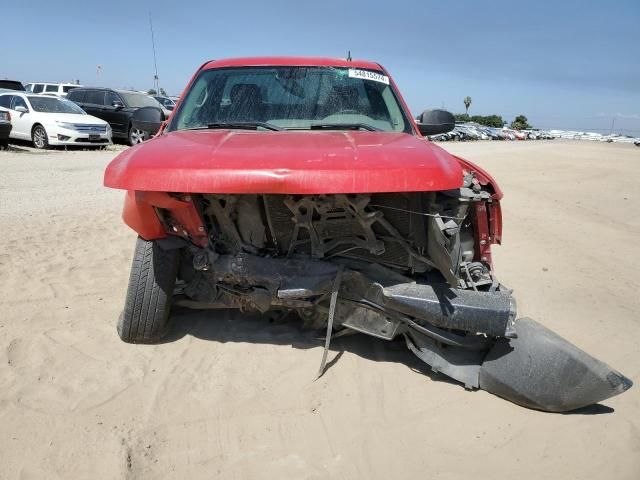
(136, 136)
(39, 137)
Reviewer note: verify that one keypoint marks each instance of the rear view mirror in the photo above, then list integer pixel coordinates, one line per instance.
(147, 119)
(433, 122)
(21, 109)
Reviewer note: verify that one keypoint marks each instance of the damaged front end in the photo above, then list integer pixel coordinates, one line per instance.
(412, 265)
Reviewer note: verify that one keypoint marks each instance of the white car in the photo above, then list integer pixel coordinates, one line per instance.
(166, 102)
(52, 121)
(58, 89)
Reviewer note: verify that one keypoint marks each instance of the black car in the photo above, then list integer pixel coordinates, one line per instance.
(5, 128)
(11, 85)
(115, 107)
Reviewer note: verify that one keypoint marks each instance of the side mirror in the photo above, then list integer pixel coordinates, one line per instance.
(21, 109)
(118, 105)
(432, 122)
(147, 119)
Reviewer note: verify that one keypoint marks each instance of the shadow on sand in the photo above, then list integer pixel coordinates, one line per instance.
(233, 326)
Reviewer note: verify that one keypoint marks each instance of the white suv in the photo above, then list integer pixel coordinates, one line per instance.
(58, 89)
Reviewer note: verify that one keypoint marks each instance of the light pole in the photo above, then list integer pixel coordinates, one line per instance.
(156, 80)
(612, 123)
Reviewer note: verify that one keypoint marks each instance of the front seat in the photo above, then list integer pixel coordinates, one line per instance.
(246, 103)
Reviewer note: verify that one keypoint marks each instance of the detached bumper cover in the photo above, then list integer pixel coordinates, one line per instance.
(541, 370)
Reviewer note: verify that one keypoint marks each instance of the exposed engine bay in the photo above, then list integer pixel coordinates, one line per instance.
(405, 250)
(423, 235)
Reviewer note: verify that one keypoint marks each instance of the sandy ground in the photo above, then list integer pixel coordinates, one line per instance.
(234, 397)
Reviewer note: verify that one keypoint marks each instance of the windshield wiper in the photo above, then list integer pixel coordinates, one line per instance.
(244, 125)
(344, 126)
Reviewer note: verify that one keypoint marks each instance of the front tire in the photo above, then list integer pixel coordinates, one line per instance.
(135, 136)
(145, 318)
(39, 137)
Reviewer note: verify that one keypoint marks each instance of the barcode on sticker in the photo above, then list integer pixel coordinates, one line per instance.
(367, 75)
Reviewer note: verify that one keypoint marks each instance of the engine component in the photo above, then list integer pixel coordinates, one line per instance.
(379, 227)
(466, 310)
(295, 279)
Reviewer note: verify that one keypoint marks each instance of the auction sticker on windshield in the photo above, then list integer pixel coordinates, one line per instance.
(367, 75)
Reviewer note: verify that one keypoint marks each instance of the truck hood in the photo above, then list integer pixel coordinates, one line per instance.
(296, 162)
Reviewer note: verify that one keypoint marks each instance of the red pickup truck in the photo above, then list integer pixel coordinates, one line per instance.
(305, 186)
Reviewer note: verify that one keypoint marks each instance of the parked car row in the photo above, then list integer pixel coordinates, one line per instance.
(473, 131)
(595, 137)
(49, 114)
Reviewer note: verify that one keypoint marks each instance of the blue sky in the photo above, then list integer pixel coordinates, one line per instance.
(567, 64)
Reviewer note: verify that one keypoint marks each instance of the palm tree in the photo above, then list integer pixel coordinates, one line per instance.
(467, 104)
